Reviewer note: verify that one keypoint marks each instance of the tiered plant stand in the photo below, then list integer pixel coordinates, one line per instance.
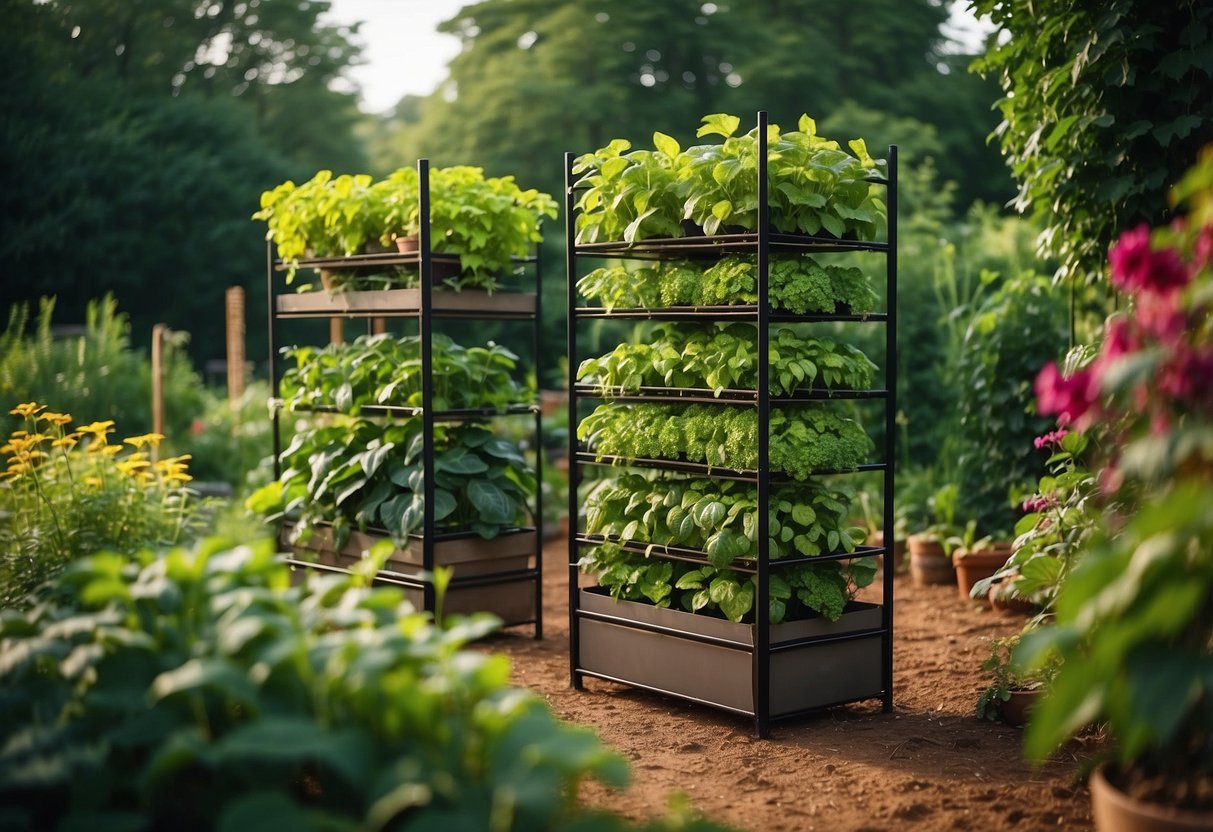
(503, 575)
(759, 670)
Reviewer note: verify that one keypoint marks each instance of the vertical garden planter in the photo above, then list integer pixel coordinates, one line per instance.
(502, 574)
(747, 665)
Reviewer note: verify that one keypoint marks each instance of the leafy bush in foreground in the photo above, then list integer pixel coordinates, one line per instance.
(201, 690)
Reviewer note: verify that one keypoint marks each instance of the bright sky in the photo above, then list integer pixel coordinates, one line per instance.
(405, 54)
(403, 51)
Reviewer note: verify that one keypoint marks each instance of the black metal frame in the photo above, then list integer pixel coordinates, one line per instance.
(425, 313)
(763, 242)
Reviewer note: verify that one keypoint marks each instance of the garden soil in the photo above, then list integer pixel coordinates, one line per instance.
(930, 764)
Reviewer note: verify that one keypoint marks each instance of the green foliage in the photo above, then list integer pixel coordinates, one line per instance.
(62, 500)
(799, 285)
(232, 443)
(201, 690)
(486, 222)
(815, 186)
(1060, 519)
(1015, 331)
(1005, 678)
(359, 473)
(1104, 109)
(803, 440)
(96, 372)
(722, 356)
(797, 591)
(383, 370)
(721, 518)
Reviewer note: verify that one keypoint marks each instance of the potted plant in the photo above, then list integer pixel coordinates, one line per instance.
(1012, 693)
(815, 187)
(483, 221)
(1134, 621)
(931, 548)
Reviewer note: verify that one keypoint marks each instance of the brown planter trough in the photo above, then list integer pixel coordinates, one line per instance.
(710, 660)
(512, 600)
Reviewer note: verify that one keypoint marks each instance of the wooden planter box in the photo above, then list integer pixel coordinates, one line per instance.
(395, 301)
(803, 677)
(513, 600)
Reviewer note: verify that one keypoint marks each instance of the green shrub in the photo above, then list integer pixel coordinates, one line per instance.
(97, 372)
(232, 445)
(201, 690)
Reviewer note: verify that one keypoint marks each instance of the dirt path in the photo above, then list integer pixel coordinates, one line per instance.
(928, 765)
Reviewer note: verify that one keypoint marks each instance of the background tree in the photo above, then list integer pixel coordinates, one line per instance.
(137, 139)
(1106, 105)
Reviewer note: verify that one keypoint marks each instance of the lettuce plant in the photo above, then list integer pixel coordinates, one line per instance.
(723, 356)
(386, 370)
(803, 440)
(797, 284)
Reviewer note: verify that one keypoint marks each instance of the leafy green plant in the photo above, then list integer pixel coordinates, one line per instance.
(485, 221)
(629, 196)
(816, 187)
(799, 285)
(797, 590)
(359, 473)
(723, 356)
(721, 517)
(96, 372)
(203, 690)
(67, 493)
(386, 370)
(1017, 328)
(803, 440)
(1005, 678)
(1061, 517)
(230, 442)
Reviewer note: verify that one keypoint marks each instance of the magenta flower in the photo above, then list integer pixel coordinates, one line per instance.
(1161, 317)
(1070, 397)
(1138, 268)
(1053, 437)
(1202, 251)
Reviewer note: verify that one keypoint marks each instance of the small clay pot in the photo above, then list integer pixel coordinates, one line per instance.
(929, 561)
(973, 566)
(1015, 710)
(407, 245)
(876, 539)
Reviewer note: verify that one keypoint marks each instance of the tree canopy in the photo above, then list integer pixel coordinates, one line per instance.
(1105, 106)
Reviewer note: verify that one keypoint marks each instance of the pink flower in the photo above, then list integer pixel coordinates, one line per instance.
(1071, 397)
(1161, 317)
(1138, 268)
(1186, 376)
(1119, 339)
(1053, 437)
(1202, 250)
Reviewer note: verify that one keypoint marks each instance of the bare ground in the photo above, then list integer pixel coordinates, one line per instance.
(931, 764)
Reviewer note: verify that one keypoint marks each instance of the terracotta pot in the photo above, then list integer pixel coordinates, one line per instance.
(407, 245)
(1115, 811)
(973, 566)
(876, 539)
(1016, 709)
(929, 562)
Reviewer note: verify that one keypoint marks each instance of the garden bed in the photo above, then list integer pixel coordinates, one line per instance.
(928, 765)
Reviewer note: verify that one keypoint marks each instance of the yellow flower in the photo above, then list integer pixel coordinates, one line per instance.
(59, 419)
(93, 482)
(109, 450)
(68, 441)
(98, 429)
(152, 439)
(132, 464)
(36, 438)
(176, 480)
(28, 409)
(20, 434)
